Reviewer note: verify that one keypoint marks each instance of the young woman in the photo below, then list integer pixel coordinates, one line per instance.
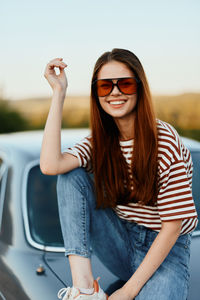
(141, 229)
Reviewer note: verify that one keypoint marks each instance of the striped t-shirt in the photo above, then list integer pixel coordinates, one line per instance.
(174, 201)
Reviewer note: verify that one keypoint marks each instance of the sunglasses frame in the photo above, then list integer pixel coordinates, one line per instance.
(114, 84)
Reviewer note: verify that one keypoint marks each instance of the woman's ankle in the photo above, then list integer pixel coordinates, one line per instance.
(81, 272)
(83, 283)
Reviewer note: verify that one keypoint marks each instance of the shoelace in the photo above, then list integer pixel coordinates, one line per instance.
(64, 291)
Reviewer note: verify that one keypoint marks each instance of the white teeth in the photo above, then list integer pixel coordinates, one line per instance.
(117, 102)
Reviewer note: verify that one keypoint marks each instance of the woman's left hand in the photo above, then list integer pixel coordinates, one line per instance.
(119, 295)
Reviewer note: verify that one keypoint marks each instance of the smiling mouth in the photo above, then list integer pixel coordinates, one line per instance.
(117, 102)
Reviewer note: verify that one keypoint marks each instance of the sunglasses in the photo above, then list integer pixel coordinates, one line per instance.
(126, 85)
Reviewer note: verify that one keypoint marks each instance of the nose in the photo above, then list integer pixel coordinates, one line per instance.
(115, 90)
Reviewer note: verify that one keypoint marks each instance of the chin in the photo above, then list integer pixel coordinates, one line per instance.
(116, 115)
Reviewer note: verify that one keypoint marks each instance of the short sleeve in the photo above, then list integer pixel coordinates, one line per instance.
(175, 199)
(82, 151)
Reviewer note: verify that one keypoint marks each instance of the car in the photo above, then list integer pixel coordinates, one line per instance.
(32, 261)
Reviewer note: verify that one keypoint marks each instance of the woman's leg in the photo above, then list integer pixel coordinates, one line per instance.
(84, 228)
(171, 279)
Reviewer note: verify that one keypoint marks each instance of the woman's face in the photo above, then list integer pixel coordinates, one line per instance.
(116, 104)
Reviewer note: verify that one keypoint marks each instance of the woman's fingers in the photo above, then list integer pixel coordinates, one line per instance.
(56, 81)
(54, 63)
(56, 60)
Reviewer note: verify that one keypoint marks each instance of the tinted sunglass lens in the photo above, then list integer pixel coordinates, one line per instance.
(128, 86)
(104, 87)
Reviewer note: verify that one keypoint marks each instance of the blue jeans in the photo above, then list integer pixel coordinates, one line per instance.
(120, 245)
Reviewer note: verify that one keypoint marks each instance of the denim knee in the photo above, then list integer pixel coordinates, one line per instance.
(74, 203)
(77, 178)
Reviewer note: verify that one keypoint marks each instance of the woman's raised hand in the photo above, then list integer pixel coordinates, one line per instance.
(57, 81)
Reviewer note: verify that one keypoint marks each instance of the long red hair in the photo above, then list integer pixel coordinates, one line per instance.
(112, 181)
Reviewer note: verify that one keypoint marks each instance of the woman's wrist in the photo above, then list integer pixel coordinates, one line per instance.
(59, 92)
(130, 290)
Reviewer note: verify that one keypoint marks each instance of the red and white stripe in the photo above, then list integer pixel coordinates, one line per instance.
(175, 169)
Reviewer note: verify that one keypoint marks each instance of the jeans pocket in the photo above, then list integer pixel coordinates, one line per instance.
(184, 241)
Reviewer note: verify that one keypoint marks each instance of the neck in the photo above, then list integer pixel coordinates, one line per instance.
(126, 128)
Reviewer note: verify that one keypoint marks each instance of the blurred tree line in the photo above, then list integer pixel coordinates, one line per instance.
(31, 114)
(181, 111)
(10, 119)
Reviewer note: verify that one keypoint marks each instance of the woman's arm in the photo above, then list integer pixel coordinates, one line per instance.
(158, 251)
(52, 161)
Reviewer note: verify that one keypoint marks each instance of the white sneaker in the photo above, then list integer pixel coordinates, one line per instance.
(74, 293)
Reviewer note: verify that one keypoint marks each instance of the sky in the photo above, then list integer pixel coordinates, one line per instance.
(164, 34)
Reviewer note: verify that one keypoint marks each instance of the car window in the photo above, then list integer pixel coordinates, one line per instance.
(1, 162)
(42, 209)
(2, 186)
(196, 182)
